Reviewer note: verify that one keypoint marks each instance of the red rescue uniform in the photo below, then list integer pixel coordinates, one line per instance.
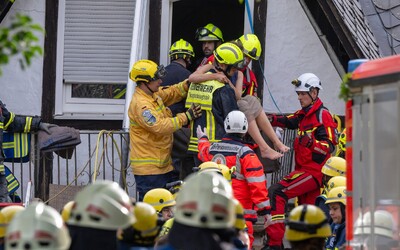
(306, 180)
(248, 182)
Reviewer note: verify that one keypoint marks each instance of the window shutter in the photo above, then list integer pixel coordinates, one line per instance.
(97, 40)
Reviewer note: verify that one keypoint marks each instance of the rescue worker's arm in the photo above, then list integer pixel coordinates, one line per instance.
(200, 75)
(253, 172)
(228, 103)
(174, 93)
(203, 146)
(19, 123)
(323, 139)
(153, 121)
(286, 121)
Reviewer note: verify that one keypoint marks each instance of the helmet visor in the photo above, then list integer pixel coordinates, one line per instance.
(160, 73)
(202, 32)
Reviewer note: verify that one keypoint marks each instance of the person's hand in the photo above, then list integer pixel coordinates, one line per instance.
(193, 112)
(267, 220)
(306, 140)
(266, 213)
(221, 77)
(46, 127)
(200, 133)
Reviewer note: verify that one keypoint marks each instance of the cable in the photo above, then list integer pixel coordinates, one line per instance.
(261, 68)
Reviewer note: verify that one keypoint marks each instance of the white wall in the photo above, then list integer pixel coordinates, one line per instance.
(21, 90)
(292, 48)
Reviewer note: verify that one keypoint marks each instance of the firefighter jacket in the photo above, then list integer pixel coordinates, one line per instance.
(248, 182)
(338, 237)
(14, 123)
(217, 100)
(152, 127)
(319, 124)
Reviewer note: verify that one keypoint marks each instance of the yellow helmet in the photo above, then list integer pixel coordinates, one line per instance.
(66, 211)
(147, 218)
(230, 54)
(334, 166)
(240, 223)
(305, 222)
(251, 46)
(336, 181)
(159, 198)
(337, 194)
(146, 71)
(342, 140)
(219, 168)
(210, 32)
(6, 215)
(181, 49)
(166, 227)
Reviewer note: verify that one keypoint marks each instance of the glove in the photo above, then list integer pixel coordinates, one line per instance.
(266, 213)
(267, 220)
(200, 133)
(193, 112)
(46, 127)
(306, 140)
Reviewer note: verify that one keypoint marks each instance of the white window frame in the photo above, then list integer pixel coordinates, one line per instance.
(67, 107)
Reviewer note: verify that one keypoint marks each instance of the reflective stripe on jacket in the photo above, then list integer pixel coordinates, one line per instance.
(249, 182)
(318, 122)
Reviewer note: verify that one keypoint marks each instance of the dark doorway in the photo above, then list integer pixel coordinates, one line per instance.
(188, 15)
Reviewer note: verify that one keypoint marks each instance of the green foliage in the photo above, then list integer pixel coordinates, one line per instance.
(344, 88)
(20, 38)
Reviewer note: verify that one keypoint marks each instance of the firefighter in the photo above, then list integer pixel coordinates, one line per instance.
(341, 152)
(100, 209)
(163, 202)
(38, 226)
(383, 228)
(152, 126)
(6, 215)
(15, 123)
(337, 211)
(210, 37)
(216, 97)
(313, 145)
(307, 228)
(334, 166)
(181, 54)
(205, 214)
(143, 232)
(249, 183)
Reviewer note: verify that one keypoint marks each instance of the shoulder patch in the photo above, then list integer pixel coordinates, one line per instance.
(148, 117)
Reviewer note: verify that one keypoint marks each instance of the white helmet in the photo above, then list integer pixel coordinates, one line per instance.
(102, 205)
(307, 81)
(383, 224)
(236, 122)
(37, 227)
(206, 201)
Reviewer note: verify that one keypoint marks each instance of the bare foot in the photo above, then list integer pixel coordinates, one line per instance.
(281, 147)
(270, 154)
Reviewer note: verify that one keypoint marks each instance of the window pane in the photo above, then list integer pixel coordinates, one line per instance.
(104, 91)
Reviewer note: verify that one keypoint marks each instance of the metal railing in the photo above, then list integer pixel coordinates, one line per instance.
(101, 155)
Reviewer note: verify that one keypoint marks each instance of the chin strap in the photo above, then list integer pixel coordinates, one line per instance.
(149, 88)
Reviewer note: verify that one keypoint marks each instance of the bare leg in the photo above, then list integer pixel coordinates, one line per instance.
(266, 151)
(266, 127)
